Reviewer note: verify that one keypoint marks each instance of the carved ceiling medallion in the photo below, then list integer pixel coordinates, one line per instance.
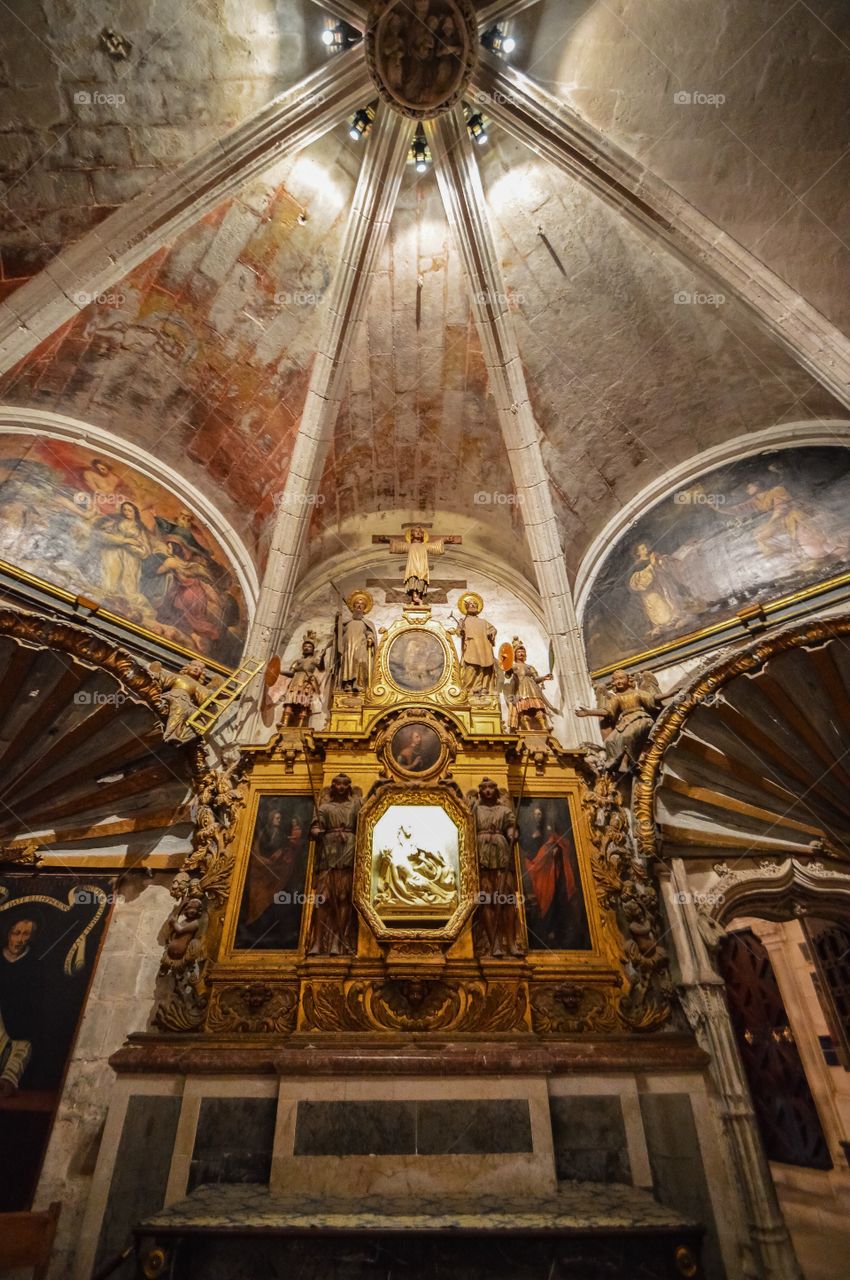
(421, 53)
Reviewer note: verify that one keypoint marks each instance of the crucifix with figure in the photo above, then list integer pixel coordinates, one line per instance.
(417, 544)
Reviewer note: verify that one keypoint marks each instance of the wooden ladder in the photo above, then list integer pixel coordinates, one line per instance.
(203, 719)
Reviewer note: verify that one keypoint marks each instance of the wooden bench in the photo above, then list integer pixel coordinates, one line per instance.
(26, 1239)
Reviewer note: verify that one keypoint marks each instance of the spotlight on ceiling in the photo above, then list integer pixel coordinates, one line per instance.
(360, 123)
(338, 36)
(477, 128)
(419, 151)
(496, 40)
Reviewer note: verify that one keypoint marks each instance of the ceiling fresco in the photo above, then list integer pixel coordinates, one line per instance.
(751, 531)
(632, 360)
(83, 521)
(202, 355)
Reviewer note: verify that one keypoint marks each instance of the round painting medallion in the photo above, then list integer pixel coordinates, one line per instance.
(421, 53)
(415, 747)
(416, 661)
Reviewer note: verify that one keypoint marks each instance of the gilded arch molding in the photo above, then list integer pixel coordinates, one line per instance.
(706, 684)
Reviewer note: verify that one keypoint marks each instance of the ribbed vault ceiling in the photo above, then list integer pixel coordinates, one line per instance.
(204, 341)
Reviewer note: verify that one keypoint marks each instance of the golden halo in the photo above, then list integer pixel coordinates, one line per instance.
(465, 600)
(360, 594)
(408, 532)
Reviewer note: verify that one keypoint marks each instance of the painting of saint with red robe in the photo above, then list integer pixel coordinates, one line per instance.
(275, 886)
(555, 913)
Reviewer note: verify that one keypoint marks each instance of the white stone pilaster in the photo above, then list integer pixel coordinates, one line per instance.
(766, 1247)
(368, 222)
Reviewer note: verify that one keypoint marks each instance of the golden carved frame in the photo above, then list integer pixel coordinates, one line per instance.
(247, 958)
(461, 817)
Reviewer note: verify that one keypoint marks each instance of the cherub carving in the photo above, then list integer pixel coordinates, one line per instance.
(628, 706)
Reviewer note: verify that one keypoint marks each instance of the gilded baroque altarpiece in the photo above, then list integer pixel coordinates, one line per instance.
(410, 869)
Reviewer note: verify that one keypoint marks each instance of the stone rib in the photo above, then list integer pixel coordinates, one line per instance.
(466, 210)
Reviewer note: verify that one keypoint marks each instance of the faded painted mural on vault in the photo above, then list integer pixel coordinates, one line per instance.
(81, 520)
(754, 530)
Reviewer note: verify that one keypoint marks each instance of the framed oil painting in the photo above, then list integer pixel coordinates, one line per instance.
(416, 661)
(275, 889)
(77, 518)
(752, 531)
(553, 895)
(415, 747)
(51, 927)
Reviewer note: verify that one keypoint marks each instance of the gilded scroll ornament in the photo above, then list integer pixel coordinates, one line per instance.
(200, 891)
(625, 889)
(366, 1005)
(253, 1008)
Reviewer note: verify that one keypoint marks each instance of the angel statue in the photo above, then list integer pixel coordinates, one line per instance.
(299, 686)
(527, 705)
(334, 828)
(629, 705)
(355, 642)
(478, 662)
(496, 831)
(185, 690)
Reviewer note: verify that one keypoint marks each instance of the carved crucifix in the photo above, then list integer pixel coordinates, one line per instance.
(417, 544)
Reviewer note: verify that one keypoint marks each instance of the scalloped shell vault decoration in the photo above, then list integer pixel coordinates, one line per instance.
(421, 53)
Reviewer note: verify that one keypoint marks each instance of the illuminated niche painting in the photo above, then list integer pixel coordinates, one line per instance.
(275, 890)
(84, 521)
(415, 863)
(749, 532)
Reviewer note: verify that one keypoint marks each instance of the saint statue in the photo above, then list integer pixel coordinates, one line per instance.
(524, 689)
(418, 545)
(629, 706)
(477, 635)
(496, 830)
(334, 829)
(356, 641)
(300, 685)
